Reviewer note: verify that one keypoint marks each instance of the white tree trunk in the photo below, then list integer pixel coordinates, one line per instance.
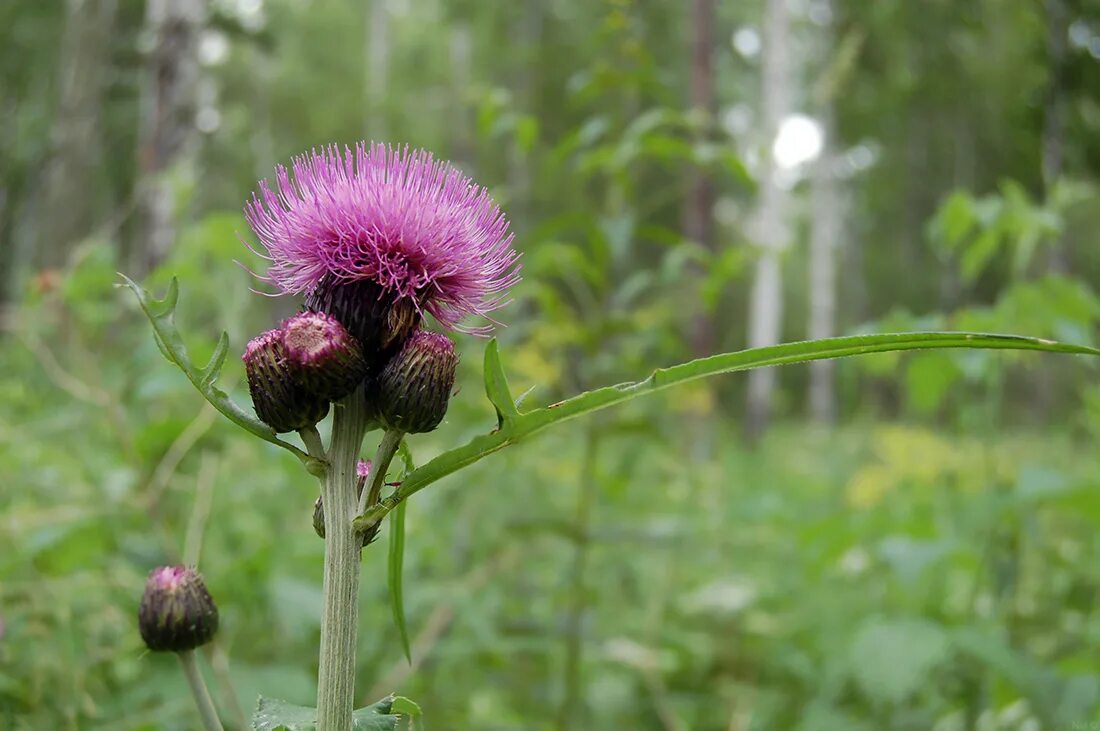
(169, 133)
(828, 217)
(69, 193)
(772, 233)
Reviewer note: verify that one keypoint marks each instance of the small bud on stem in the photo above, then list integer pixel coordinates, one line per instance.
(279, 400)
(177, 612)
(322, 356)
(414, 388)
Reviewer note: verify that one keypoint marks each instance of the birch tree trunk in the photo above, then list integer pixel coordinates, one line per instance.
(828, 216)
(68, 204)
(1054, 115)
(698, 214)
(766, 299)
(168, 134)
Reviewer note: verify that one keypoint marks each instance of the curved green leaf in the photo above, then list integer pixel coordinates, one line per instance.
(396, 561)
(394, 578)
(161, 314)
(496, 385)
(528, 424)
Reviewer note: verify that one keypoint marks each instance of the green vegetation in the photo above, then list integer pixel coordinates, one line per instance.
(915, 547)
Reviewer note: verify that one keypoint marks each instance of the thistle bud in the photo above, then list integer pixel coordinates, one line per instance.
(279, 400)
(176, 611)
(373, 316)
(414, 387)
(322, 356)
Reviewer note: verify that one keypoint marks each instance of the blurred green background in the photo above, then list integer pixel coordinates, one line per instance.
(897, 542)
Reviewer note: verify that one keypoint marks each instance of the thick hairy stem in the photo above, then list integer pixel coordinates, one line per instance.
(339, 620)
(209, 715)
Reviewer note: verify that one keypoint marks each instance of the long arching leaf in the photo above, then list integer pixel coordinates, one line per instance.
(528, 424)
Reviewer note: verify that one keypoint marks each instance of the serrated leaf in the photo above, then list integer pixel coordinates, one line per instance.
(523, 426)
(161, 315)
(275, 715)
(496, 385)
(213, 367)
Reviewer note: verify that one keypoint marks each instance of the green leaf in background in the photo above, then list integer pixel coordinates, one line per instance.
(522, 426)
(396, 560)
(276, 715)
(161, 314)
(891, 658)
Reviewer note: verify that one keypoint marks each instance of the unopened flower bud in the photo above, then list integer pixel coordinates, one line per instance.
(176, 613)
(322, 356)
(280, 401)
(414, 387)
(373, 316)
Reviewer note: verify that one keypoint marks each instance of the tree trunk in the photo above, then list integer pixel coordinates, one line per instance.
(1054, 116)
(828, 216)
(68, 206)
(698, 214)
(766, 303)
(168, 134)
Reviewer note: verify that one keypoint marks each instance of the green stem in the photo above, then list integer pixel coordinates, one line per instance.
(312, 439)
(340, 616)
(209, 715)
(391, 440)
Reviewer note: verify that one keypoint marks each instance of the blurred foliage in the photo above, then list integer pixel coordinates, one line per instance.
(931, 563)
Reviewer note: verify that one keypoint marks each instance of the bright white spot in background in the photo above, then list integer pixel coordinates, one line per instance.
(820, 13)
(1094, 47)
(737, 120)
(799, 141)
(213, 48)
(251, 14)
(860, 157)
(746, 41)
(1079, 34)
(208, 120)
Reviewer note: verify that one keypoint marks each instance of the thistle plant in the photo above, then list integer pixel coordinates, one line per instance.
(382, 245)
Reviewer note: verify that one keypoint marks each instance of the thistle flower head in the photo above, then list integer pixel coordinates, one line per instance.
(177, 612)
(415, 228)
(322, 356)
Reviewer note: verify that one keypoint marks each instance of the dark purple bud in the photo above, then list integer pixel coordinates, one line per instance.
(280, 401)
(322, 356)
(177, 613)
(415, 386)
(373, 315)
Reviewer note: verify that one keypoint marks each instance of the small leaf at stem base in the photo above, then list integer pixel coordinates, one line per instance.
(275, 715)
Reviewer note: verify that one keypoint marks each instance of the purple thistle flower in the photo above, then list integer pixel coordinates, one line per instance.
(414, 226)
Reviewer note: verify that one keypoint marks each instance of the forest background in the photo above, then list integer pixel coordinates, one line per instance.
(895, 542)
